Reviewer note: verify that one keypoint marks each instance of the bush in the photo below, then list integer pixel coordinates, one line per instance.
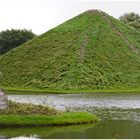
(10, 39)
(131, 19)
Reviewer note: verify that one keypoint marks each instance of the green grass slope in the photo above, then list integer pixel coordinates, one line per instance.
(91, 51)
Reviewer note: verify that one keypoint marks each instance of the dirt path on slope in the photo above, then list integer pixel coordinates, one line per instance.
(82, 49)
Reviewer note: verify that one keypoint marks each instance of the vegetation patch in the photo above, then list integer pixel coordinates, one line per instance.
(63, 91)
(15, 108)
(64, 119)
(32, 115)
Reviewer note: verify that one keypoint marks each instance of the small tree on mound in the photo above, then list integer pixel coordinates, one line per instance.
(131, 19)
(10, 39)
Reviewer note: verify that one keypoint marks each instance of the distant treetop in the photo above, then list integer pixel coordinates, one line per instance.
(10, 39)
(131, 19)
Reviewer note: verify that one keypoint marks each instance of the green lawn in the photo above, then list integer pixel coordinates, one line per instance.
(55, 91)
(64, 119)
(21, 114)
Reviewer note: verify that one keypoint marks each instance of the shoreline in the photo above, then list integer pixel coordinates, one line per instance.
(64, 119)
(23, 114)
(55, 91)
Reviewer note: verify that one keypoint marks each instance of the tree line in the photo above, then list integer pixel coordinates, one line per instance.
(10, 39)
(131, 19)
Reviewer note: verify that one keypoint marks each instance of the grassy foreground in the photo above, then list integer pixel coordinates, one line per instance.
(64, 119)
(18, 114)
(47, 91)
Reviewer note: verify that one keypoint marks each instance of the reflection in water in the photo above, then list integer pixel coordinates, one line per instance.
(105, 129)
(119, 113)
(41, 132)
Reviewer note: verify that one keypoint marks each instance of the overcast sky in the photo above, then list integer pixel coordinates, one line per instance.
(42, 15)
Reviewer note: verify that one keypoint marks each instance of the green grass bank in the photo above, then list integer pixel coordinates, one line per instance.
(18, 114)
(64, 119)
(55, 91)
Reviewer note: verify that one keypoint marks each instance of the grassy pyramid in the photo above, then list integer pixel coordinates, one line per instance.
(90, 51)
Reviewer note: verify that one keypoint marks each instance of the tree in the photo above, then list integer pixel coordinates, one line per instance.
(131, 19)
(10, 39)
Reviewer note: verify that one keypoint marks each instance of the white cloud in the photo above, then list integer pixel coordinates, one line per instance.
(42, 15)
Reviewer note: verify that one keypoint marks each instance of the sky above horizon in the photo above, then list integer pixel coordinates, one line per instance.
(42, 15)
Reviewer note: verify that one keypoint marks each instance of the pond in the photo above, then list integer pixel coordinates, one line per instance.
(119, 114)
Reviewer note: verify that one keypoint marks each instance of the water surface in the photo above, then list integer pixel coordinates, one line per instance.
(119, 114)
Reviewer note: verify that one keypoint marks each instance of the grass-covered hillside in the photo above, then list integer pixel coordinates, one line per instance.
(91, 51)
